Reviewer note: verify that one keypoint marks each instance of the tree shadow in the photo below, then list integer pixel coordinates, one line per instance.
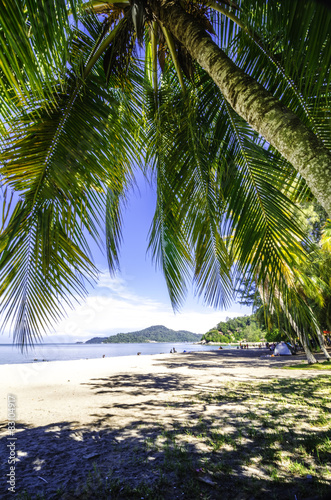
(164, 442)
(234, 358)
(139, 384)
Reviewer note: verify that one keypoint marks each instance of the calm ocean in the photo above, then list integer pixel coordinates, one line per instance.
(10, 354)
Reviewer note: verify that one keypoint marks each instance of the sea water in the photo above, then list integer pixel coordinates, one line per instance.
(11, 354)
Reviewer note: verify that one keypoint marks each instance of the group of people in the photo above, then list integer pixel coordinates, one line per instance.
(173, 350)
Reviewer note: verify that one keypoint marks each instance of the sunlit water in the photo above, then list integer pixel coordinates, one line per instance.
(10, 354)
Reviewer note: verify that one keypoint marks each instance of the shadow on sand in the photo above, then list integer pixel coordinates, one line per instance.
(233, 358)
(149, 443)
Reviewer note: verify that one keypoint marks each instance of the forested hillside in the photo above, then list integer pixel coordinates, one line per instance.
(236, 329)
(156, 333)
(250, 328)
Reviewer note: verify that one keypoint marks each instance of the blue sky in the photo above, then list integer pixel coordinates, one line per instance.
(137, 296)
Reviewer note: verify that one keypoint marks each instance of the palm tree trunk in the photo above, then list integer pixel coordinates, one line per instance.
(310, 357)
(319, 334)
(322, 344)
(265, 296)
(302, 335)
(277, 124)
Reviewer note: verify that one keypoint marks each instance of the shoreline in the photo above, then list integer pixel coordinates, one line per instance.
(26, 377)
(190, 348)
(124, 362)
(108, 355)
(41, 353)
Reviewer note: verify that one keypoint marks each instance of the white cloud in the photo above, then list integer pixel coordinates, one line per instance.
(112, 308)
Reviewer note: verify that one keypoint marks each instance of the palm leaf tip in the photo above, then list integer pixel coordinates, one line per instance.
(138, 18)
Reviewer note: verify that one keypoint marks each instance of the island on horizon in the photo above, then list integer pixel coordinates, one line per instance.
(157, 333)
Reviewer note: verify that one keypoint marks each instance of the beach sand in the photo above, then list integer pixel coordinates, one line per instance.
(71, 414)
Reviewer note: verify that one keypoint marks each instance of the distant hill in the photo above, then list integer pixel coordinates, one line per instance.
(156, 333)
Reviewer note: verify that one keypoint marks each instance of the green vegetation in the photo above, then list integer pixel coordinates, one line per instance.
(235, 330)
(310, 286)
(156, 333)
(275, 335)
(325, 365)
(81, 108)
(311, 282)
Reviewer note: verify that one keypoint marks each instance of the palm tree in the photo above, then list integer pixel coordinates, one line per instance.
(318, 268)
(306, 304)
(279, 126)
(185, 26)
(70, 89)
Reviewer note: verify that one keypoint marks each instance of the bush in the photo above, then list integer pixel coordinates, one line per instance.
(275, 336)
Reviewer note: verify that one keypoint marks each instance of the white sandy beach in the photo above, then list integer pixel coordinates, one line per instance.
(50, 392)
(78, 400)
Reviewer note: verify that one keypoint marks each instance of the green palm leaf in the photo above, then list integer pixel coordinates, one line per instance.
(35, 41)
(52, 162)
(286, 58)
(168, 238)
(234, 209)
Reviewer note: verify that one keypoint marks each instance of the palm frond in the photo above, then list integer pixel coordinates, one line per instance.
(35, 40)
(186, 172)
(260, 208)
(287, 58)
(61, 162)
(256, 204)
(42, 270)
(113, 228)
(168, 241)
